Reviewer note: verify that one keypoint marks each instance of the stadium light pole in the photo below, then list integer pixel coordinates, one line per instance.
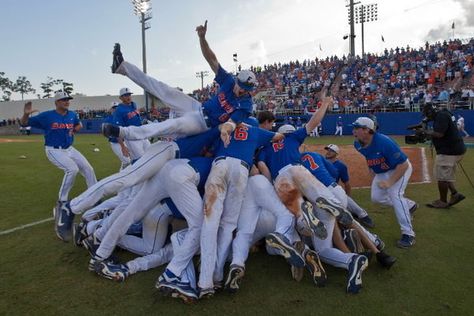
(351, 23)
(202, 74)
(142, 8)
(364, 14)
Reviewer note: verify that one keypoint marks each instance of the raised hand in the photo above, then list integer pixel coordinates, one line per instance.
(201, 30)
(27, 110)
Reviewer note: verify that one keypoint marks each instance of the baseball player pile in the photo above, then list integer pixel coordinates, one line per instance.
(233, 183)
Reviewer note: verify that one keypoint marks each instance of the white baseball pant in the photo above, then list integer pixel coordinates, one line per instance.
(137, 148)
(299, 177)
(339, 193)
(260, 196)
(71, 161)
(325, 248)
(117, 150)
(144, 168)
(354, 208)
(190, 119)
(394, 196)
(225, 190)
(338, 130)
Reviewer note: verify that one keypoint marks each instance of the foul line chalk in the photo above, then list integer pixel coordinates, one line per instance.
(8, 231)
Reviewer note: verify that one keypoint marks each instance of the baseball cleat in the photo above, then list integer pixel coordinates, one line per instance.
(63, 220)
(91, 243)
(354, 280)
(313, 264)
(117, 58)
(342, 215)
(180, 290)
(206, 293)
(367, 221)
(236, 273)
(281, 244)
(352, 240)
(413, 210)
(297, 273)
(117, 272)
(385, 260)
(110, 130)
(406, 241)
(79, 232)
(218, 285)
(316, 225)
(167, 276)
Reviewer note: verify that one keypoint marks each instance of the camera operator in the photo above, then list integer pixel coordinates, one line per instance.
(450, 150)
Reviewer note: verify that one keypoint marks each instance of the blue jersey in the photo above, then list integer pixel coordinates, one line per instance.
(58, 129)
(201, 165)
(318, 166)
(110, 119)
(341, 171)
(243, 143)
(284, 152)
(225, 104)
(383, 154)
(193, 146)
(127, 115)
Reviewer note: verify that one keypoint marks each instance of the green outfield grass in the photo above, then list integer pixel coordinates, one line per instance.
(39, 275)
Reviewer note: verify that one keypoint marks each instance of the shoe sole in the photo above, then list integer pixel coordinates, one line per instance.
(357, 272)
(175, 292)
(298, 273)
(341, 215)
(235, 276)
(114, 276)
(289, 253)
(316, 225)
(316, 269)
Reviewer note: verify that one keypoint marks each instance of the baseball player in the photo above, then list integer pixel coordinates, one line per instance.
(59, 127)
(342, 175)
(281, 162)
(224, 192)
(117, 144)
(127, 114)
(392, 170)
(339, 125)
(460, 125)
(231, 104)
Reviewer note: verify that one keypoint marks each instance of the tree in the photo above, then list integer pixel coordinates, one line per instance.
(5, 87)
(68, 87)
(47, 87)
(23, 86)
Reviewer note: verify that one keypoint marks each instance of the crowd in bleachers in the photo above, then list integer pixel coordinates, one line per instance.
(399, 79)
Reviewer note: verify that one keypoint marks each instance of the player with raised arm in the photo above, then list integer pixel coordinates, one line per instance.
(231, 105)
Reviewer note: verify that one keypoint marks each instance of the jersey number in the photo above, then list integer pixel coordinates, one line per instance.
(312, 164)
(241, 133)
(278, 146)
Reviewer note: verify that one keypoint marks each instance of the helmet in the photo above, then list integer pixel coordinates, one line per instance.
(287, 128)
(246, 80)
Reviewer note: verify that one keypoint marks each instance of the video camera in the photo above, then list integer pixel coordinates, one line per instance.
(420, 136)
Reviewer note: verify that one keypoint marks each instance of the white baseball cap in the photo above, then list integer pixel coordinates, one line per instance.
(287, 128)
(364, 122)
(61, 95)
(124, 91)
(246, 80)
(332, 147)
(113, 105)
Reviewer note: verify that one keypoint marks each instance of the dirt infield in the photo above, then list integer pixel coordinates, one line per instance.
(9, 140)
(359, 172)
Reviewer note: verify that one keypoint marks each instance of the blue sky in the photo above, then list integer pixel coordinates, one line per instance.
(73, 40)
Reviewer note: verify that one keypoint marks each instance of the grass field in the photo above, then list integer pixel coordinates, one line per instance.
(40, 275)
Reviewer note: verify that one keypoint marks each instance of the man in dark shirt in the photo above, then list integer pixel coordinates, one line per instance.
(450, 150)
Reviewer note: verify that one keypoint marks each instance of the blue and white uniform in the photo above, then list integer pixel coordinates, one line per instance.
(224, 193)
(383, 155)
(323, 170)
(129, 115)
(115, 146)
(190, 116)
(59, 137)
